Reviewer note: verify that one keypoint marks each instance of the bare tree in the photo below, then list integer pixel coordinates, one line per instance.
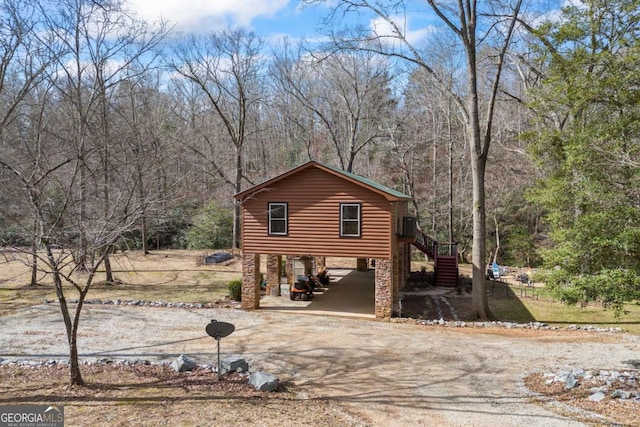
(142, 130)
(24, 62)
(294, 130)
(80, 190)
(346, 94)
(433, 128)
(98, 230)
(227, 67)
(39, 170)
(104, 46)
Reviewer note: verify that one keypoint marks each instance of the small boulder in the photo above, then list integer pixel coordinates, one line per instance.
(263, 381)
(183, 364)
(621, 394)
(597, 396)
(233, 364)
(571, 382)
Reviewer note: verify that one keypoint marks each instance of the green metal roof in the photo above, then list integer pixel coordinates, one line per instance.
(368, 182)
(374, 186)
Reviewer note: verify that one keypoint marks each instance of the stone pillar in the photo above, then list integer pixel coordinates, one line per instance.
(321, 263)
(274, 272)
(362, 264)
(308, 265)
(250, 281)
(384, 288)
(289, 269)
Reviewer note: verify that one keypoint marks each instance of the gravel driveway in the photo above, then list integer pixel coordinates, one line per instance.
(395, 374)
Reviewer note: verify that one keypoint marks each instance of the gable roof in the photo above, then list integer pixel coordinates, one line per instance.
(388, 193)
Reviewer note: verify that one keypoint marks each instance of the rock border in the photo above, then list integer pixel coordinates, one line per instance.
(260, 380)
(426, 322)
(158, 303)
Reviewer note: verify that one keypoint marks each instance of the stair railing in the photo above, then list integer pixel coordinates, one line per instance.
(425, 242)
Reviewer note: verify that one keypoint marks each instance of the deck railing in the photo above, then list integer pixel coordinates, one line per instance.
(425, 243)
(447, 248)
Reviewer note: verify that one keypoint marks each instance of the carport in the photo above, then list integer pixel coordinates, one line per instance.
(351, 293)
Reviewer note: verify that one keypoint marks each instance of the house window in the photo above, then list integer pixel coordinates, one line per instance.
(278, 218)
(350, 219)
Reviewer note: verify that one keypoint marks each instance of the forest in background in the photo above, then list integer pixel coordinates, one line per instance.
(119, 133)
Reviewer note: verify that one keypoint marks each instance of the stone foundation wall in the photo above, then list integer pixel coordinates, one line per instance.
(384, 288)
(289, 269)
(274, 272)
(250, 281)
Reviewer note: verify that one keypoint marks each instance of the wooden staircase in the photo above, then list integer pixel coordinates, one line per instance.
(444, 255)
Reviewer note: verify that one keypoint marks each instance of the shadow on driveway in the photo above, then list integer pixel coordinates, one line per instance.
(351, 293)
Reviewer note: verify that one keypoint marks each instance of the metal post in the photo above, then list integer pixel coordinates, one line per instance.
(218, 339)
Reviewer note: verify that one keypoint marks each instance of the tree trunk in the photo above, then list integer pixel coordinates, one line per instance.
(75, 376)
(495, 255)
(144, 233)
(450, 130)
(143, 196)
(236, 226)
(107, 267)
(34, 255)
(480, 303)
(236, 207)
(434, 182)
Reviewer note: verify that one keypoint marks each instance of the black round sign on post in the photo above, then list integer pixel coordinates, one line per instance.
(219, 330)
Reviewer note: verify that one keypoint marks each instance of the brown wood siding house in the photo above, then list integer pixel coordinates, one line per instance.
(318, 210)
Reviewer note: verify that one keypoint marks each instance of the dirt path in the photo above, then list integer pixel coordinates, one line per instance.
(394, 374)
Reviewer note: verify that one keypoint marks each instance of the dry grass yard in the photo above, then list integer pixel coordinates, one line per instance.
(173, 276)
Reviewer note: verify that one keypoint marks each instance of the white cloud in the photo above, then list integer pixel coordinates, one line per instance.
(552, 15)
(384, 29)
(189, 15)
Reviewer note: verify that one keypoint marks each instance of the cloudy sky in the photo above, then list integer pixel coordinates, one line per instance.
(268, 18)
(272, 19)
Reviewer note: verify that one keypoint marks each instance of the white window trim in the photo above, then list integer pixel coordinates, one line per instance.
(358, 220)
(271, 206)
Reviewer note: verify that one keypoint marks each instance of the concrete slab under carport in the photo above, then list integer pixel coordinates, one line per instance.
(351, 293)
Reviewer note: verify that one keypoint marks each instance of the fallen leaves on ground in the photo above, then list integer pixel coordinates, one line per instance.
(624, 412)
(151, 395)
